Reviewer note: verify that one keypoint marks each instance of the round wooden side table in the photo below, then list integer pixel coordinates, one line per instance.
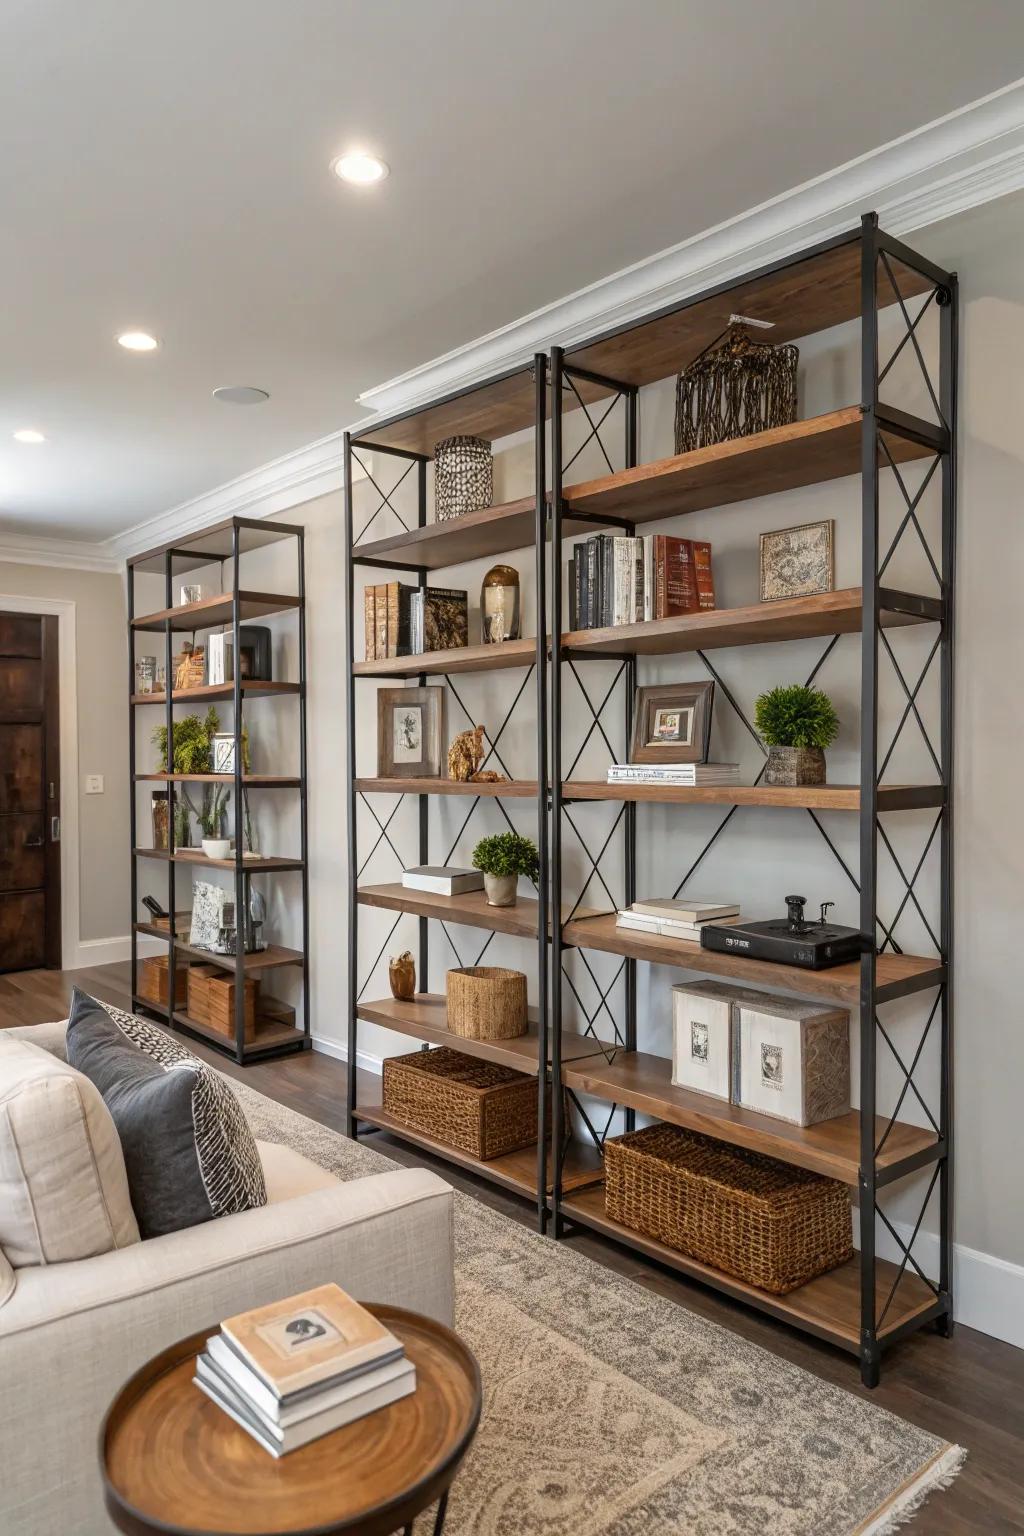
(174, 1463)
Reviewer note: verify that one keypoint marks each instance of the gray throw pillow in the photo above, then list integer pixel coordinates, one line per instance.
(188, 1149)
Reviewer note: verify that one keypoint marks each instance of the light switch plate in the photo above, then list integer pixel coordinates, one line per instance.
(94, 783)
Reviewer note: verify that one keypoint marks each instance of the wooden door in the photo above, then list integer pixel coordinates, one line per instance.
(29, 793)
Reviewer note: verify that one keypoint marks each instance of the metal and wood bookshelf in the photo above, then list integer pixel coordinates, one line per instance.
(872, 1301)
(225, 546)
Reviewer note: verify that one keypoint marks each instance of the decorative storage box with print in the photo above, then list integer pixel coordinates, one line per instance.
(791, 1059)
(702, 1038)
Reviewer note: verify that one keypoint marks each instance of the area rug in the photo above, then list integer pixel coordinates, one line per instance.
(611, 1411)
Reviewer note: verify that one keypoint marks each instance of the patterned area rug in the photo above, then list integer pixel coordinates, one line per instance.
(610, 1411)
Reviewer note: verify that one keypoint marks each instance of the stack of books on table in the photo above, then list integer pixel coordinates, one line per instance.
(297, 1369)
(688, 775)
(680, 918)
(442, 879)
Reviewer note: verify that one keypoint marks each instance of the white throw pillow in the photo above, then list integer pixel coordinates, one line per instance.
(63, 1187)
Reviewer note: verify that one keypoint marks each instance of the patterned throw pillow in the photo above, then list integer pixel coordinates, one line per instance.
(188, 1149)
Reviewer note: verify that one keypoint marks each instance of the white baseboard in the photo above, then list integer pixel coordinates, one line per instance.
(337, 1050)
(91, 952)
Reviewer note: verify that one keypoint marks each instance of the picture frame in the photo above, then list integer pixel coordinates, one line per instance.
(224, 752)
(672, 723)
(410, 732)
(798, 561)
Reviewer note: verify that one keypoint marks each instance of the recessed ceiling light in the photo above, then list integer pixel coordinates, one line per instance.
(359, 168)
(29, 435)
(241, 394)
(137, 341)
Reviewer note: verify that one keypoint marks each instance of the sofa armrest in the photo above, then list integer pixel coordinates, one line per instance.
(386, 1238)
(50, 1037)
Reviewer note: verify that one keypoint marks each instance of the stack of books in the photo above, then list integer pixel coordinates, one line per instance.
(680, 918)
(442, 879)
(402, 620)
(622, 579)
(689, 775)
(300, 1368)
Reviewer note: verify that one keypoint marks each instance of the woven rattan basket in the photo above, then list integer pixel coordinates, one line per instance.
(486, 1002)
(479, 1107)
(758, 1220)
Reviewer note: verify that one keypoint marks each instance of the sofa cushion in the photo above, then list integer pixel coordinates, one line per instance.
(188, 1149)
(63, 1187)
(7, 1280)
(289, 1174)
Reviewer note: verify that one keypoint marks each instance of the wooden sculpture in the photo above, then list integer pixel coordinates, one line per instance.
(465, 755)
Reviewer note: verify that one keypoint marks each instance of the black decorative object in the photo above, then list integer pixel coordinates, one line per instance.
(463, 477)
(254, 643)
(812, 945)
(733, 388)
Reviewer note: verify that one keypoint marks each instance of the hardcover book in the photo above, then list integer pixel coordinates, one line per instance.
(380, 621)
(443, 880)
(687, 909)
(370, 623)
(304, 1341)
(440, 620)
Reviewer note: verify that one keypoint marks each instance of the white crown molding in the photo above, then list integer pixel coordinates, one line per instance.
(957, 162)
(71, 554)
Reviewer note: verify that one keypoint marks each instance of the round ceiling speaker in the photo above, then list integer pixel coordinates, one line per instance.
(241, 394)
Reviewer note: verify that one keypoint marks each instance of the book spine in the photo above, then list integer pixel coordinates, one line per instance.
(607, 582)
(638, 580)
(380, 621)
(369, 623)
(593, 594)
(621, 585)
(416, 622)
(660, 592)
(704, 576)
(573, 594)
(680, 582)
(392, 610)
(648, 544)
(403, 633)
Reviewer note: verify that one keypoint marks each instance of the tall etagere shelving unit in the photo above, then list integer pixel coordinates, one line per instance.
(225, 544)
(871, 1302)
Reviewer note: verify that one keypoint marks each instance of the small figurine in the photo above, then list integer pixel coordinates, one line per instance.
(465, 755)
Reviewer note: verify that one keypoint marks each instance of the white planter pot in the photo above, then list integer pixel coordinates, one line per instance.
(217, 847)
(501, 890)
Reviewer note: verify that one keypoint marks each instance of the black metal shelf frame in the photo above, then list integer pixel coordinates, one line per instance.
(878, 289)
(165, 556)
(556, 378)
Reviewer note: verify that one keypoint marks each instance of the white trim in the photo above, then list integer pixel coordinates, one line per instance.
(71, 554)
(67, 659)
(329, 1047)
(957, 162)
(109, 951)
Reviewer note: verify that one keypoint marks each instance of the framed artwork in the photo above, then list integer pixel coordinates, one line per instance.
(672, 723)
(223, 752)
(798, 562)
(410, 732)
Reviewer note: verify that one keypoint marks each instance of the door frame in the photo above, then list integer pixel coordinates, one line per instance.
(65, 611)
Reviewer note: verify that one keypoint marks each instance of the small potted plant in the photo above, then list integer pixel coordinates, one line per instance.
(211, 818)
(796, 724)
(503, 858)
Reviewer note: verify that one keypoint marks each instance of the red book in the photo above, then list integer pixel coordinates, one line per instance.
(704, 575)
(675, 579)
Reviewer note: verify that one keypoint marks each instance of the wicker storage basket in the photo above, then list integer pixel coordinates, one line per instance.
(758, 1220)
(479, 1107)
(211, 1000)
(486, 1002)
(153, 976)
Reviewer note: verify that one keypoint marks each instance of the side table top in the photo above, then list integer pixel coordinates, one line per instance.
(173, 1462)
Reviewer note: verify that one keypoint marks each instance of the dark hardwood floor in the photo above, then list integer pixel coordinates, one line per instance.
(968, 1389)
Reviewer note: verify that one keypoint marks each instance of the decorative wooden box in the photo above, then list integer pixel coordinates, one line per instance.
(791, 1059)
(477, 1106)
(211, 1000)
(702, 1036)
(763, 1222)
(153, 977)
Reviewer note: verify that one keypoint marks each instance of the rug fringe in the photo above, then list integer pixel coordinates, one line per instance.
(905, 1504)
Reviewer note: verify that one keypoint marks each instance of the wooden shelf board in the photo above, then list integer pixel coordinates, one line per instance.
(197, 856)
(210, 692)
(640, 1081)
(821, 797)
(219, 609)
(463, 658)
(516, 1170)
(806, 452)
(796, 618)
(804, 297)
(505, 789)
(897, 975)
(425, 1017)
(828, 1307)
(471, 909)
(249, 780)
(269, 959)
(270, 1036)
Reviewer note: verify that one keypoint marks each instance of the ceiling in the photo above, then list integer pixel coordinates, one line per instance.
(167, 167)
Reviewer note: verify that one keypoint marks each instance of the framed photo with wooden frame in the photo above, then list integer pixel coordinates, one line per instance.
(672, 723)
(410, 733)
(798, 562)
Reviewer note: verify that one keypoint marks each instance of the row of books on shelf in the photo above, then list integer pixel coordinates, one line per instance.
(686, 775)
(625, 579)
(297, 1369)
(403, 620)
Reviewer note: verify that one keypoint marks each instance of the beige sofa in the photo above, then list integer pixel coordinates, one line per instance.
(71, 1334)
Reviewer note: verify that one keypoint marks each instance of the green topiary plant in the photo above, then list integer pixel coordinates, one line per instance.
(796, 716)
(506, 853)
